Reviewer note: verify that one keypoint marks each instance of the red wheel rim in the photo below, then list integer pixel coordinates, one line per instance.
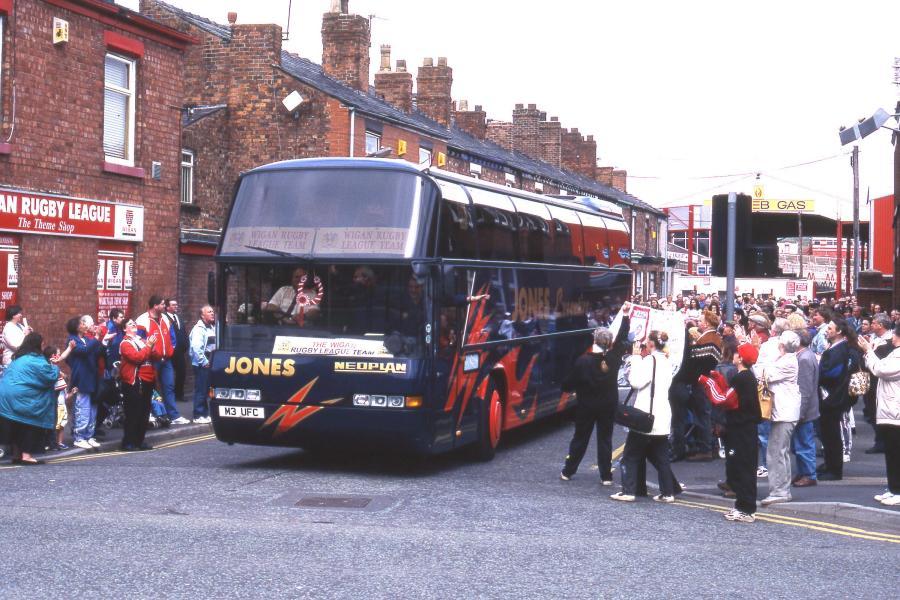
(496, 418)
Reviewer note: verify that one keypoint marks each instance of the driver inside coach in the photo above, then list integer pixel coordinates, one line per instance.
(291, 305)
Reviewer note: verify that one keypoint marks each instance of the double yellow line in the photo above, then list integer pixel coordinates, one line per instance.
(92, 456)
(822, 526)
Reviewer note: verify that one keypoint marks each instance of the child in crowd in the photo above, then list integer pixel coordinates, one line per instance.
(63, 398)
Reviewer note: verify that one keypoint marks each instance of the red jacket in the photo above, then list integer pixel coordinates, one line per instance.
(136, 361)
(147, 326)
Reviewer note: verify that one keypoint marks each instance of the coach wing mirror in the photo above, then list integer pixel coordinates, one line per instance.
(211, 288)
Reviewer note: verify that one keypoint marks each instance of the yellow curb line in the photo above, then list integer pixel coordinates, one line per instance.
(806, 524)
(81, 457)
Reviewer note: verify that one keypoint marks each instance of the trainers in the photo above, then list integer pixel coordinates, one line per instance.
(762, 472)
(664, 499)
(180, 421)
(622, 497)
(742, 517)
(203, 420)
(881, 497)
(83, 444)
(606, 482)
(893, 500)
(93, 443)
(846, 458)
(564, 477)
(769, 500)
(61, 446)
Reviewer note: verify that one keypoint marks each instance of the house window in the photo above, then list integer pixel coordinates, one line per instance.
(373, 142)
(118, 109)
(679, 238)
(701, 243)
(424, 156)
(187, 177)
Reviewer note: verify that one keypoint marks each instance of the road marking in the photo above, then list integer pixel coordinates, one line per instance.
(618, 452)
(80, 457)
(804, 523)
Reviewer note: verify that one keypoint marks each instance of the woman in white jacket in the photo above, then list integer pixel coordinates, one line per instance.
(887, 412)
(781, 377)
(651, 377)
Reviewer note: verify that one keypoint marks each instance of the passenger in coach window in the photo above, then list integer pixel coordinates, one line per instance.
(283, 305)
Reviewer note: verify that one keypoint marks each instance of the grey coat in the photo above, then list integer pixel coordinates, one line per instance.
(807, 380)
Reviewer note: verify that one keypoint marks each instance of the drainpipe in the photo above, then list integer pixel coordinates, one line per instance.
(352, 128)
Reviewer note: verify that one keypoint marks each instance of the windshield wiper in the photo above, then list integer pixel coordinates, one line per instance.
(273, 251)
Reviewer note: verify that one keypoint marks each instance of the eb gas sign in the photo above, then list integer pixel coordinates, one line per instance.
(783, 206)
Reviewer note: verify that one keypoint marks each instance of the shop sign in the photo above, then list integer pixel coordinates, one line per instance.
(9, 273)
(27, 212)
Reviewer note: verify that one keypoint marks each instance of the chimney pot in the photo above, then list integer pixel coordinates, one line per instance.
(442, 61)
(575, 130)
(463, 105)
(543, 116)
(520, 106)
(232, 18)
(590, 138)
(345, 7)
(478, 108)
(428, 62)
(401, 66)
(554, 119)
(532, 107)
(385, 57)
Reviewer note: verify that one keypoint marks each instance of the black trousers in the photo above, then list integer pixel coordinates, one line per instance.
(179, 365)
(586, 417)
(891, 436)
(741, 461)
(684, 398)
(23, 437)
(640, 447)
(832, 445)
(137, 412)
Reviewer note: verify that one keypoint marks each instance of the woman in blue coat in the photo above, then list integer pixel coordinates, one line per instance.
(27, 399)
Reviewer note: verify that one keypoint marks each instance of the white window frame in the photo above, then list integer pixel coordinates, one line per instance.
(372, 135)
(130, 93)
(424, 155)
(187, 173)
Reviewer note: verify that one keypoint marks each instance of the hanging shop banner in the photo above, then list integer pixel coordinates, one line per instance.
(9, 273)
(115, 271)
(47, 214)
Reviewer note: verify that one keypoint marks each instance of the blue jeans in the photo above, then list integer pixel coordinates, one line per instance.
(85, 417)
(763, 433)
(803, 445)
(166, 374)
(201, 387)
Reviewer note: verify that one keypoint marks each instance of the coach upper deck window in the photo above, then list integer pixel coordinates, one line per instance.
(118, 109)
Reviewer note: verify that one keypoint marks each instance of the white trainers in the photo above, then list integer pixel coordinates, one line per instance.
(606, 482)
(762, 472)
(731, 514)
(664, 499)
(622, 497)
(203, 420)
(564, 477)
(180, 421)
(742, 517)
(846, 458)
(83, 444)
(893, 500)
(93, 443)
(881, 497)
(769, 500)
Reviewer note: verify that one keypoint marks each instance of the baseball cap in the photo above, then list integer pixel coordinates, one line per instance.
(748, 353)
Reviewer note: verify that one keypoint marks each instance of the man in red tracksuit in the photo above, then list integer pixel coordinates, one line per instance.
(153, 322)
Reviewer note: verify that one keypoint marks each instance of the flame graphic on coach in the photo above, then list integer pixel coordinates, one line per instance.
(291, 413)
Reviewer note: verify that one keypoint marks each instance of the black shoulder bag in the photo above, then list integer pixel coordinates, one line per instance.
(633, 418)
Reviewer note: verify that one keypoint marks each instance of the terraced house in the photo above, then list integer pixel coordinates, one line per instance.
(247, 102)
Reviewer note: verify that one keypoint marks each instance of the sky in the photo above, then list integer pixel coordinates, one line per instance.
(691, 98)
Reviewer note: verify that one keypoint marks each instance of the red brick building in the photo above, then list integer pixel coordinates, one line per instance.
(90, 134)
(237, 76)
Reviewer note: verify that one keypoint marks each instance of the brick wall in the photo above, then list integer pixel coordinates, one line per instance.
(396, 86)
(500, 132)
(473, 122)
(619, 179)
(57, 148)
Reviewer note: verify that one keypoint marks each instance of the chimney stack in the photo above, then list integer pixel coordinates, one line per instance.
(345, 46)
(473, 122)
(394, 87)
(526, 130)
(433, 86)
(551, 141)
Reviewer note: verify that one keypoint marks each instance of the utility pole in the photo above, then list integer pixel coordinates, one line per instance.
(854, 162)
(800, 240)
(732, 242)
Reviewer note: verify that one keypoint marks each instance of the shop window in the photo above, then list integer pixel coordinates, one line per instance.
(118, 109)
(373, 142)
(187, 177)
(701, 243)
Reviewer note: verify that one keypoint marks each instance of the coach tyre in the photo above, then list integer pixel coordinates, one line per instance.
(490, 421)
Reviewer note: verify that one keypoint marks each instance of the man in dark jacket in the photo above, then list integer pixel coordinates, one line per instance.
(180, 343)
(594, 379)
(838, 361)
